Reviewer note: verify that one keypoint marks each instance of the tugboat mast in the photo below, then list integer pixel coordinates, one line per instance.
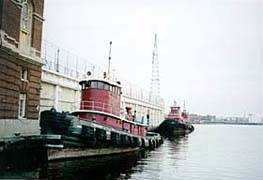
(109, 61)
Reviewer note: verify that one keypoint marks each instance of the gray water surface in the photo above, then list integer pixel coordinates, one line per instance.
(211, 152)
(223, 152)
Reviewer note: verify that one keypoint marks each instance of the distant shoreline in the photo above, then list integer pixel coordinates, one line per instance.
(224, 123)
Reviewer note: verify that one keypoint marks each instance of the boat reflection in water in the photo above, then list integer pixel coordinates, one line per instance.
(136, 165)
(106, 167)
(143, 164)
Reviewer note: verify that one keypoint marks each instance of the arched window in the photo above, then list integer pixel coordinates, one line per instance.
(26, 23)
(25, 16)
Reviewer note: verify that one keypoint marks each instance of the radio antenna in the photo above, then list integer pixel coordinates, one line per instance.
(109, 61)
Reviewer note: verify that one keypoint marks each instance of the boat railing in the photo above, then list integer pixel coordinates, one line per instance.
(98, 106)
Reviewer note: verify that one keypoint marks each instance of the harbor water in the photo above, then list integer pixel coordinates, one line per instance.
(223, 152)
(218, 152)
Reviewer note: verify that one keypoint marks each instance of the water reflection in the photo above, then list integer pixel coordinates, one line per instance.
(112, 167)
(139, 165)
(162, 163)
(178, 147)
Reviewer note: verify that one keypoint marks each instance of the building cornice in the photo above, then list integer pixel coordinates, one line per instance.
(29, 54)
(20, 57)
(35, 60)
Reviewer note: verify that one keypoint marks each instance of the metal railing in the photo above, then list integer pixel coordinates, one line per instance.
(62, 61)
(97, 106)
(138, 93)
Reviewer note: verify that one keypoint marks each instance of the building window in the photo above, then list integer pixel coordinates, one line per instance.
(25, 25)
(24, 74)
(22, 106)
(25, 14)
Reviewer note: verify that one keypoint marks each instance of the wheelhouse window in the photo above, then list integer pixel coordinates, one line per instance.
(22, 106)
(107, 87)
(100, 85)
(86, 85)
(94, 84)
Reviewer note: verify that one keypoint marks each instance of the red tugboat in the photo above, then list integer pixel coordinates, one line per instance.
(175, 124)
(100, 102)
(97, 128)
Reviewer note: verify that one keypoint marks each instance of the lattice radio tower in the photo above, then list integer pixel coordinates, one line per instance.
(155, 80)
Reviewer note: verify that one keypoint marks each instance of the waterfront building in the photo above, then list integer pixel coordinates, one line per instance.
(20, 65)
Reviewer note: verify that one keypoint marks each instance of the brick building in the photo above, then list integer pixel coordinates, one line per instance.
(20, 65)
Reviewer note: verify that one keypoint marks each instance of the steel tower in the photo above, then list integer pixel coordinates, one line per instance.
(155, 79)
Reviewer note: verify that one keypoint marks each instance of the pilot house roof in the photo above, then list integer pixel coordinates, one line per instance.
(118, 84)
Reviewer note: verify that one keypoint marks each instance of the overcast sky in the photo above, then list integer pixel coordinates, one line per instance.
(210, 51)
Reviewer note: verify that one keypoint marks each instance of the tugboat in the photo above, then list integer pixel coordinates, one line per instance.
(98, 127)
(175, 124)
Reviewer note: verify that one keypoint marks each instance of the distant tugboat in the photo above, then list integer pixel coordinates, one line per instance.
(175, 124)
